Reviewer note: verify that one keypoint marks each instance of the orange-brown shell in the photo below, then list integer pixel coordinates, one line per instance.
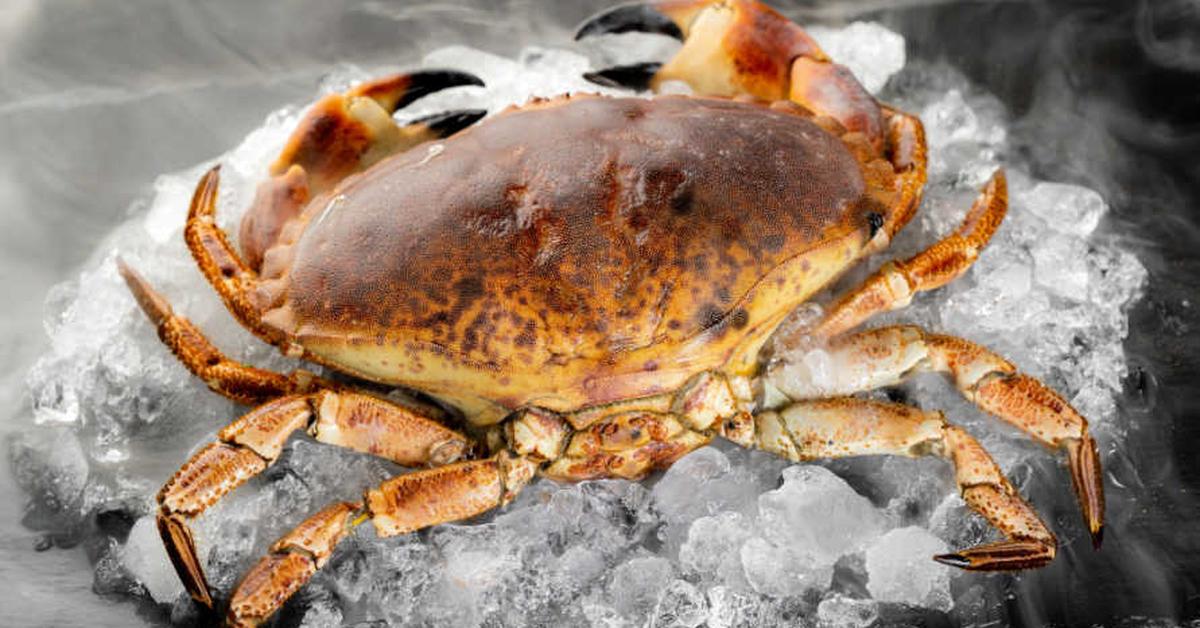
(577, 251)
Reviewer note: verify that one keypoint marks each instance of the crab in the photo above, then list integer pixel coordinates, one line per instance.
(582, 287)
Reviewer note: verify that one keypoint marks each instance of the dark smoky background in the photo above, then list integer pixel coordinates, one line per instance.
(96, 99)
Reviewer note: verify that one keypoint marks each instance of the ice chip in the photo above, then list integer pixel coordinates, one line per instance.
(839, 611)
(699, 484)
(900, 568)
(146, 558)
(778, 572)
(1071, 209)
(680, 605)
(728, 608)
(50, 464)
(816, 513)
(949, 120)
(322, 613)
(634, 586)
(713, 547)
(1061, 266)
(870, 50)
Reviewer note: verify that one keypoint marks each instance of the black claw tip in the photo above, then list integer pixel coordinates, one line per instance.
(637, 17)
(954, 560)
(425, 82)
(1098, 538)
(635, 76)
(450, 122)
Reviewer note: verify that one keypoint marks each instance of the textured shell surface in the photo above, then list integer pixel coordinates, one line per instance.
(576, 251)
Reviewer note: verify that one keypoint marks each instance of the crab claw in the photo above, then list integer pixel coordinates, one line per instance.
(448, 123)
(400, 90)
(343, 134)
(739, 47)
(637, 76)
(347, 132)
(635, 17)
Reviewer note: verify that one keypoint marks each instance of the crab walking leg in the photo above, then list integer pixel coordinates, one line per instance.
(894, 285)
(887, 356)
(229, 378)
(249, 445)
(846, 426)
(908, 152)
(401, 505)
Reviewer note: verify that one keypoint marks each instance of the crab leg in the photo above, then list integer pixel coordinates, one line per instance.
(894, 285)
(846, 426)
(249, 445)
(229, 378)
(887, 356)
(401, 505)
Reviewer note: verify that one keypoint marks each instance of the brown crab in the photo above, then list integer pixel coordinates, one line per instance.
(587, 282)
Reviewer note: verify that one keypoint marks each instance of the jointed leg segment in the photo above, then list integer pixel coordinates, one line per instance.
(252, 443)
(895, 284)
(845, 426)
(889, 355)
(224, 376)
(403, 504)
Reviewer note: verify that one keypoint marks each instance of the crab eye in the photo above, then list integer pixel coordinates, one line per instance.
(875, 220)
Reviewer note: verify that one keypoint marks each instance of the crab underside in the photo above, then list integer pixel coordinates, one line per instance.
(541, 362)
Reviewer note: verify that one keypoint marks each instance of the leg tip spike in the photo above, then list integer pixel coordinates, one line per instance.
(953, 560)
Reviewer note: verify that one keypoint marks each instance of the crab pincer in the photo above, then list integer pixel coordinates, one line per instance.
(345, 133)
(739, 47)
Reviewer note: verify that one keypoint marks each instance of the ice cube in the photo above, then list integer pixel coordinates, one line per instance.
(700, 484)
(805, 526)
(635, 585)
(1060, 265)
(948, 120)
(839, 611)
(780, 571)
(680, 605)
(322, 613)
(51, 465)
(1071, 209)
(146, 558)
(712, 551)
(816, 513)
(901, 568)
(870, 50)
(730, 609)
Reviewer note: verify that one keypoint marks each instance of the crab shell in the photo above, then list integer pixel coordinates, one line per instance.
(578, 251)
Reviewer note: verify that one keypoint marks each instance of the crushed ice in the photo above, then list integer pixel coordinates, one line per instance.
(724, 538)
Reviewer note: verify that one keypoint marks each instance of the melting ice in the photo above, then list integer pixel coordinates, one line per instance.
(724, 538)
